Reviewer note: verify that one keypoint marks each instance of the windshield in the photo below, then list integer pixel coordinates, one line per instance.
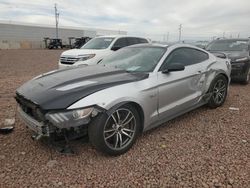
(135, 59)
(98, 43)
(228, 45)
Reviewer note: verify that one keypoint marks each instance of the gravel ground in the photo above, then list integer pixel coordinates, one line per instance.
(204, 148)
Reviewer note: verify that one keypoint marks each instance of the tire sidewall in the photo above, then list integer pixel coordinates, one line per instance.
(96, 129)
(211, 102)
(247, 77)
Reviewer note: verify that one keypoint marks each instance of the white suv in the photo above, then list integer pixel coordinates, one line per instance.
(96, 49)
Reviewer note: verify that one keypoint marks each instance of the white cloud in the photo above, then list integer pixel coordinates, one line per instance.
(200, 19)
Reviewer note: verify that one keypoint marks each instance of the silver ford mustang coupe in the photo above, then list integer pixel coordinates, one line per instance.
(135, 89)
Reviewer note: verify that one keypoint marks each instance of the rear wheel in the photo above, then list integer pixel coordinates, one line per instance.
(115, 134)
(218, 90)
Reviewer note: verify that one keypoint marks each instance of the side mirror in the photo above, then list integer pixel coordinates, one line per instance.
(114, 48)
(174, 67)
(220, 55)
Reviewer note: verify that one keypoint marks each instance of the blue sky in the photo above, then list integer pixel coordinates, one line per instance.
(152, 18)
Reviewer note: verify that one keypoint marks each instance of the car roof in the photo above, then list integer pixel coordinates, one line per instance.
(234, 39)
(119, 36)
(176, 45)
(147, 45)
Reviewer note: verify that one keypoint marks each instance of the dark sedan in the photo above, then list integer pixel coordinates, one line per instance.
(238, 51)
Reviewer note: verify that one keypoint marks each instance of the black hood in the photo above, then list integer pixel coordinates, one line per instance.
(60, 89)
(233, 55)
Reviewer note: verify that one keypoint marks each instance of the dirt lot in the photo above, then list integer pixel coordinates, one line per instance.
(204, 148)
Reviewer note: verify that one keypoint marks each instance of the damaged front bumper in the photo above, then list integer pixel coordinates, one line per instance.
(38, 127)
(57, 123)
(45, 123)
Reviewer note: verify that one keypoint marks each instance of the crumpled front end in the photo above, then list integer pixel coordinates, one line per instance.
(54, 122)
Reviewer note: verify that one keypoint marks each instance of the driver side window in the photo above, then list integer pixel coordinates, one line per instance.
(120, 43)
(177, 56)
(185, 56)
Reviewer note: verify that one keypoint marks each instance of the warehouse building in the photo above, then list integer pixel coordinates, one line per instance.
(15, 35)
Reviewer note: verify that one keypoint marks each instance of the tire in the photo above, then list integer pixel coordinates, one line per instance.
(246, 77)
(112, 136)
(218, 89)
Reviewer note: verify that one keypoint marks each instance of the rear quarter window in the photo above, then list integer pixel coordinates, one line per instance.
(198, 56)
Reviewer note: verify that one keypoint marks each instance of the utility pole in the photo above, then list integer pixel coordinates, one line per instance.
(57, 20)
(180, 30)
(238, 35)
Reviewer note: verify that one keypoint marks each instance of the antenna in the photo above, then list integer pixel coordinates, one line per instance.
(180, 30)
(57, 20)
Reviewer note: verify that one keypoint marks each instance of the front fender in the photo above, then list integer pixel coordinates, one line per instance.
(110, 97)
(141, 93)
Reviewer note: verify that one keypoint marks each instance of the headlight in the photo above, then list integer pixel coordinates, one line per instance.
(82, 113)
(71, 118)
(85, 57)
(241, 59)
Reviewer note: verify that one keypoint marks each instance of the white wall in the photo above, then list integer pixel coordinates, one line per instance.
(15, 36)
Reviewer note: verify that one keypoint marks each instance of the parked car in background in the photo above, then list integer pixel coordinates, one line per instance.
(53, 43)
(238, 51)
(133, 90)
(201, 44)
(96, 49)
(79, 42)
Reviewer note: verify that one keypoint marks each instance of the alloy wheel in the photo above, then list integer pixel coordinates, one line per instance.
(219, 91)
(119, 129)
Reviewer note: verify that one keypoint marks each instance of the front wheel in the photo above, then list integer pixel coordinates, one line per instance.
(246, 77)
(218, 90)
(115, 134)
